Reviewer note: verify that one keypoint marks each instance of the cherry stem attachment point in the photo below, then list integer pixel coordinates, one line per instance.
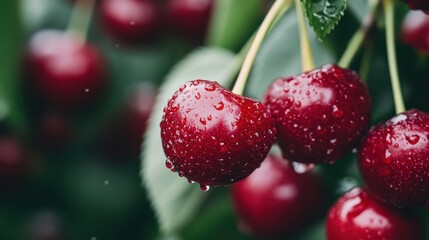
(278, 8)
(81, 18)
(389, 13)
(359, 36)
(306, 53)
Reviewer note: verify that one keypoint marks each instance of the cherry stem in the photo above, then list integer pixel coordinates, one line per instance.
(391, 54)
(306, 53)
(278, 8)
(359, 36)
(366, 62)
(81, 18)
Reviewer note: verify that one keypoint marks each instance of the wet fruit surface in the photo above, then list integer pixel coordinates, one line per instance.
(130, 21)
(359, 216)
(190, 17)
(275, 201)
(64, 70)
(394, 159)
(320, 115)
(418, 4)
(213, 136)
(415, 30)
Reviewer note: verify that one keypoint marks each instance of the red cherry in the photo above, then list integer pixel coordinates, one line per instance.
(125, 135)
(275, 201)
(320, 115)
(190, 17)
(65, 71)
(213, 136)
(12, 161)
(130, 21)
(418, 5)
(394, 159)
(359, 216)
(415, 31)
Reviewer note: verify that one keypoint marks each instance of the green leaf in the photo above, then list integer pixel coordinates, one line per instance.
(233, 22)
(11, 36)
(324, 15)
(174, 200)
(280, 55)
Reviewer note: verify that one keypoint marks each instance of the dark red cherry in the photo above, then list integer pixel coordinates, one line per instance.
(418, 5)
(130, 21)
(64, 71)
(12, 161)
(213, 136)
(274, 201)
(125, 134)
(359, 216)
(320, 115)
(415, 31)
(190, 17)
(394, 159)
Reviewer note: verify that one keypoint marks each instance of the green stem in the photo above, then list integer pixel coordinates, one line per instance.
(81, 18)
(278, 8)
(359, 36)
(366, 62)
(306, 53)
(389, 12)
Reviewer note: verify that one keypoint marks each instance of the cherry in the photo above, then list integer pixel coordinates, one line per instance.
(190, 17)
(418, 4)
(359, 216)
(12, 161)
(130, 21)
(125, 135)
(275, 201)
(213, 136)
(320, 115)
(65, 71)
(415, 31)
(394, 159)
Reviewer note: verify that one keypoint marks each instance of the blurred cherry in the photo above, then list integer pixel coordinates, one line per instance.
(130, 21)
(63, 70)
(276, 201)
(190, 18)
(12, 161)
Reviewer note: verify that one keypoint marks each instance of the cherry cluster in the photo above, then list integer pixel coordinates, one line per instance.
(216, 137)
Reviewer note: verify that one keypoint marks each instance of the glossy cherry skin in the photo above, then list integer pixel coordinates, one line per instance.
(190, 18)
(415, 31)
(320, 115)
(274, 201)
(130, 21)
(63, 70)
(359, 216)
(418, 5)
(213, 136)
(394, 159)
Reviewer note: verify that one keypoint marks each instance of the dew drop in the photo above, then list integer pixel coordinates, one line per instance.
(219, 106)
(204, 188)
(223, 148)
(169, 165)
(387, 157)
(286, 90)
(182, 88)
(209, 87)
(413, 139)
(175, 108)
(209, 117)
(190, 181)
(181, 174)
(301, 168)
(197, 96)
(337, 113)
(203, 121)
